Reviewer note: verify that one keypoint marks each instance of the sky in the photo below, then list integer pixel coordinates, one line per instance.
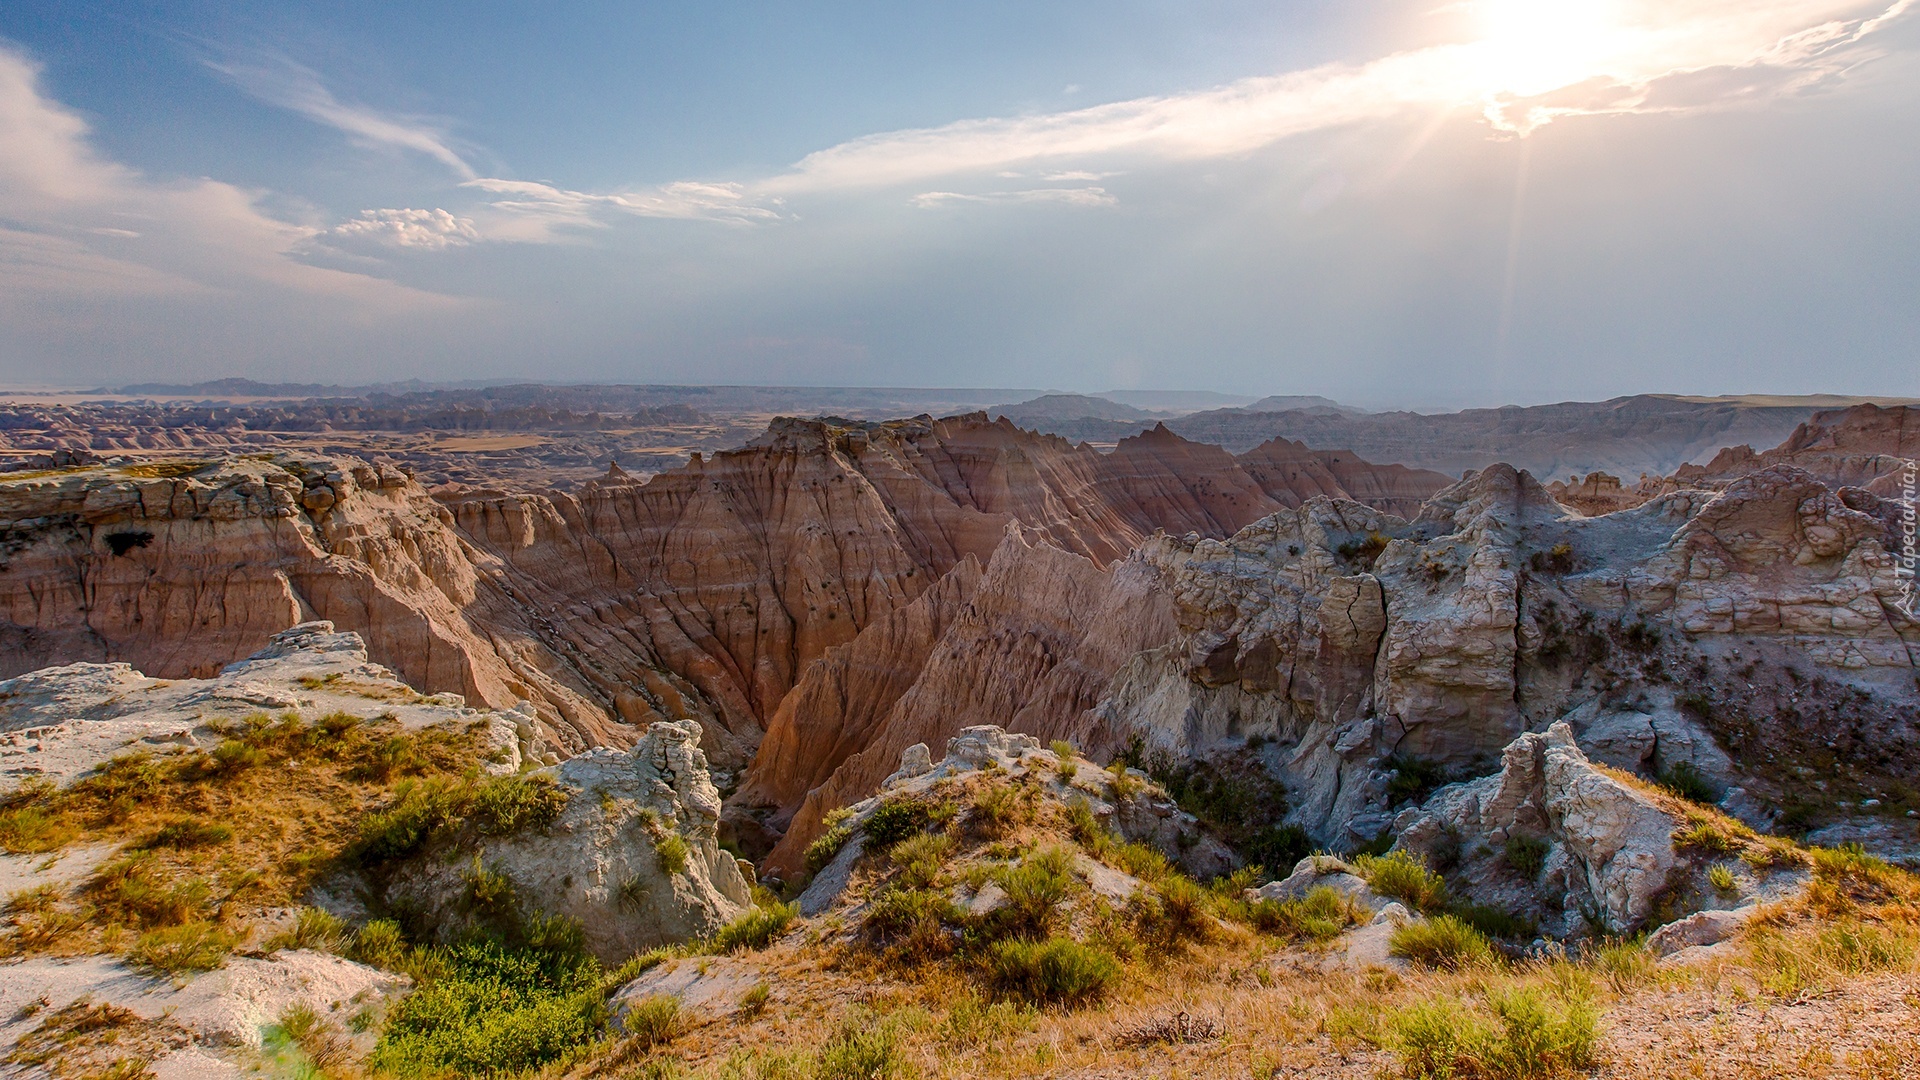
(1441, 203)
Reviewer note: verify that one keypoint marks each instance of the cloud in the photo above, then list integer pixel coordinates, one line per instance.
(279, 81)
(77, 223)
(531, 212)
(421, 230)
(1084, 196)
(1788, 44)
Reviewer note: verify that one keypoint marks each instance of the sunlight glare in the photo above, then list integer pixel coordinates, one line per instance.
(1532, 46)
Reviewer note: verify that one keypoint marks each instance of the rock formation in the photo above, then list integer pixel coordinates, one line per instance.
(59, 723)
(633, 856)
(1736, 633)
(702, 594)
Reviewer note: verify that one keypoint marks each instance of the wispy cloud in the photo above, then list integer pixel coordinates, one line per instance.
(1779, 45)
(279, 81)
(1083, 196)
(1633, 57)
(78, 223)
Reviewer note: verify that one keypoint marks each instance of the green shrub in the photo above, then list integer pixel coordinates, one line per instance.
(30, 830)
(1709, 836)
(1057, 971)
(1494, 922)
(913, 922)
(1175, 910)
(754, 1001)
(863, 1049)
(1322, 914)
(920, 858)
(1526, 855)
(671, 852)
(233, 756)
(1086, 829)
(312, 929)
(756, 929)
(1530, 1037)
(655, 1020)
(1720, 876)
(1413, 779)
(489, 891)
(828, 844)
(1034, 891)
(1443, 942)
(893, 821)
(183, 949)
(1686, 781)
(437, 808)
(379, 943)
(491, 1011)
(1140, 860)
(1402, 875)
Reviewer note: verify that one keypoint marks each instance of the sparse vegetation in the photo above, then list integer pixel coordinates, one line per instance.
(1057, 971)
(1526, 854)
(183, 949)
(838, 830)
(1402, 875)
(1443, 941)
(756, 929)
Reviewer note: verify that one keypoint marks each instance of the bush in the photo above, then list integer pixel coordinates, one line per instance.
(1720, 876)
(180, 950)
(1140, 860)
(863, 1049)
(1443, 942)
(379, 943)
(921, 857)
(1494, 922)
(1530, 1037)
(828, 844)
(1709, 836)
(1402, 875)
(1321, 915)
(1086, 829)
(893, 821)
(655, 1020)
(1414, 778)
(1685, 781)
(671, 852)
(1526, 855)
(312, 929)
(913, 922)
(1057, 971)
(757, 929)
(233, 756)
(491, 1011)
(997, 808)
(1034, 890)
(437, 808)
(1175, 911)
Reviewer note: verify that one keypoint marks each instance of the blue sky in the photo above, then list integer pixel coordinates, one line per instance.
(1440, 203)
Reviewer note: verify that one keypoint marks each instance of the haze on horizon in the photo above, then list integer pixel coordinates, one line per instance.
(1438, 203)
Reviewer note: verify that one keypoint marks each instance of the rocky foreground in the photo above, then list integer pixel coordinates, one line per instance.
(644, 778)
(200, 888)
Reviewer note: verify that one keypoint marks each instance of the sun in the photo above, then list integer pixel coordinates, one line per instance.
(1532, 46)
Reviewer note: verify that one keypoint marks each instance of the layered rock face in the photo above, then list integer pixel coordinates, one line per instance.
(180, 570)
(702, 594)
(1030, 646)
(1740, 633)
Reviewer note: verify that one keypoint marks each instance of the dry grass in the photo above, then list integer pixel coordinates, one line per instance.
(208, 836)
(95, 1042)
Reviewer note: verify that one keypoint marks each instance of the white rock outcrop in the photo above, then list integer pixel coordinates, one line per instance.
(634, 855)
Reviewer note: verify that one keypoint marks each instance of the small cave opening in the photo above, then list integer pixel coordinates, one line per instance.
(123, 542)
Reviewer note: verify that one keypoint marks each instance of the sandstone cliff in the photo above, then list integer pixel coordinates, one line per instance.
(1346, 649)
